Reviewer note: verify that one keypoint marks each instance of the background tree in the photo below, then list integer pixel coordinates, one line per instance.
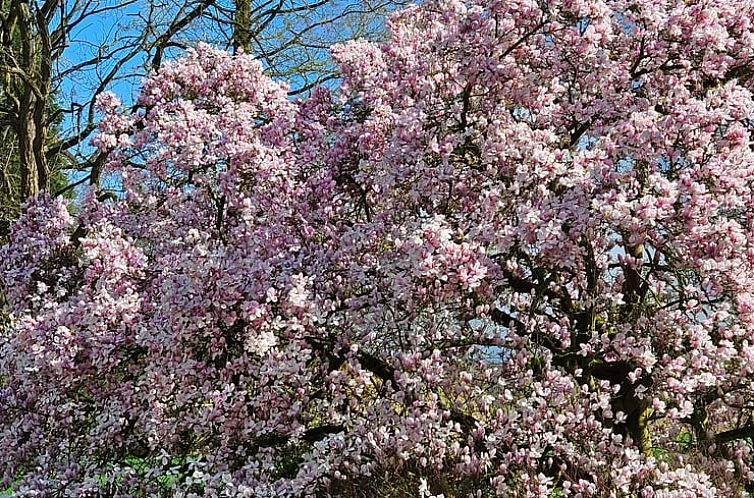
(10, 125)
(292, 37)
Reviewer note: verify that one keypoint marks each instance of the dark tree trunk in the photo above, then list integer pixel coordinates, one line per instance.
(242, 26)
(34, 94)
(32, 135)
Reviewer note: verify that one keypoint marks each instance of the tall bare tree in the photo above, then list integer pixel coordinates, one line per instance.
(292, 37)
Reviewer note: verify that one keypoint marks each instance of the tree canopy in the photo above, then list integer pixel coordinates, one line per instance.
(512, 254)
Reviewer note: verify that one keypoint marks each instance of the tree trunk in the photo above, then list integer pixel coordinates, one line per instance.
(34, 94)
(638, 427)
(32, 134)
(242, 26)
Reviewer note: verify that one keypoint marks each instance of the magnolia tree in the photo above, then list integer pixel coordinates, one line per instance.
(511, 255)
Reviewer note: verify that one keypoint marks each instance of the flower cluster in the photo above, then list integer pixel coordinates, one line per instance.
(511, 255)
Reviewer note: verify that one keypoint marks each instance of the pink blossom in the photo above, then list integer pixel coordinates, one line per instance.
(511, 254)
